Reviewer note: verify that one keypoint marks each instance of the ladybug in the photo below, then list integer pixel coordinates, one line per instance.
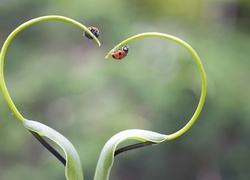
(120, 53)
(94, 31)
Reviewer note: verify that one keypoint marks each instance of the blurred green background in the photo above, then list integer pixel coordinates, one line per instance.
(58, 77)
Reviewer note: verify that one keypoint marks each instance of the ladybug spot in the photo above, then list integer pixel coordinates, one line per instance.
(120, 53)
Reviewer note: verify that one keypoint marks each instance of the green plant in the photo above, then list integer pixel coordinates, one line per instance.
(73, 169)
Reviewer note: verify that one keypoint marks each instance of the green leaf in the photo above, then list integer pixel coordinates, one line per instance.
(73, 169)
(106, 158)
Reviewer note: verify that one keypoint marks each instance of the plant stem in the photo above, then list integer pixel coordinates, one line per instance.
(199, 65)
(2, 80)
(9, 39)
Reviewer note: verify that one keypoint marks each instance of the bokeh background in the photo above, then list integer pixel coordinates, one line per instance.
(58, 77)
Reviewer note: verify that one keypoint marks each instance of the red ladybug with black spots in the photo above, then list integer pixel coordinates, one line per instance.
(94, 31)
(120, 53)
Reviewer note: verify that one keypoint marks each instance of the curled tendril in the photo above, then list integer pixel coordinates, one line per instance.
(199, 65)
(9, 39)
(73, 170)
(147, 138)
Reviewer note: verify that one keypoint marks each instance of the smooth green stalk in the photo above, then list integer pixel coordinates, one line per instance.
(73, 169)
(9, 39)
(200, 67)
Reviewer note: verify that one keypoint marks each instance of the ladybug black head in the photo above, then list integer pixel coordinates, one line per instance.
(125, 48)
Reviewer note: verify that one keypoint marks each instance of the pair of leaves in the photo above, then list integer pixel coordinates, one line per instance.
(73, 169)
